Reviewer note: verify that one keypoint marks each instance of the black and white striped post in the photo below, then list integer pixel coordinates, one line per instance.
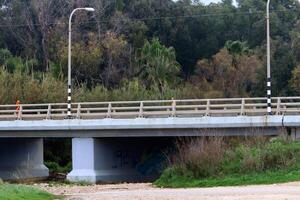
(269, 97)
(269, 89)
(69, 100)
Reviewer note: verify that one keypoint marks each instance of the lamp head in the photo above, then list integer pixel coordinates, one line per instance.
(89, 9)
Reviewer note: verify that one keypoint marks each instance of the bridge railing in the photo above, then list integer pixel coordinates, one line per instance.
(153, 109)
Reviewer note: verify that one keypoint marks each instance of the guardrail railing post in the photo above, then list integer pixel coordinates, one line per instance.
(141, 111)
(278, 108)
(207, 108)
(109, 111)
(78, 111)
(243, 107)
(173, 108)
(20, 112)
(49, 112)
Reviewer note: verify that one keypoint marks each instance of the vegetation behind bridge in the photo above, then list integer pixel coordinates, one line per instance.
(129, 50)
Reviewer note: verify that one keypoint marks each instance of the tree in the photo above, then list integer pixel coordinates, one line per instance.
(34, 18)
(116, 59)
(232, 80)
(157, 65)
(295, 81)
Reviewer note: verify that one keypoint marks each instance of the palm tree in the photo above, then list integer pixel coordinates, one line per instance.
(237, 49)
(158, 65)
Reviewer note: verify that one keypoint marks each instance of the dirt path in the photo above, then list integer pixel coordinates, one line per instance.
(289, 191)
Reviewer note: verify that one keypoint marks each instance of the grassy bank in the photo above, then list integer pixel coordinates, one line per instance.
(215, 162)
(21, 192)
(168, 179)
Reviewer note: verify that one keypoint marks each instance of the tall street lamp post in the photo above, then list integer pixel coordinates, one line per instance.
(269, 92)
(69, 59)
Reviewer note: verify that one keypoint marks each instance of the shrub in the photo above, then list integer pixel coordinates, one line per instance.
(202, 158)
(252, 160)
(56, 168)
(279, 155)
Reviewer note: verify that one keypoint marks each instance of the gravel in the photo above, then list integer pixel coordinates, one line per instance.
(146, 191)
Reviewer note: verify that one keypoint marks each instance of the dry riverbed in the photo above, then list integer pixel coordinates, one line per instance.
(146, 191)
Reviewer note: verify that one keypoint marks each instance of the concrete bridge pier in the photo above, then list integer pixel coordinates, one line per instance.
(295, 133)
(22, 158)
(115, 159)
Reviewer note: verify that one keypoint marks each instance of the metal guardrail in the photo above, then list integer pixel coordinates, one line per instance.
(153, 109)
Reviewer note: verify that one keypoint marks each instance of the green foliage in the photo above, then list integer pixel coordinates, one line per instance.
(20, 192)
(237, 47)
(54, 167)
(24, 87)
(295, 81)
(232, 75)
(4, 55)
(208, 158)
(171, 179)
(157, 65)
(182, 52)
(205, 164)
(12, 63)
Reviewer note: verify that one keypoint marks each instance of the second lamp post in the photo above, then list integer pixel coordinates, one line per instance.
(69, 60)
(269, 92)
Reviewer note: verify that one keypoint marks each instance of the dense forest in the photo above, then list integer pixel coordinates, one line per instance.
(146, 49)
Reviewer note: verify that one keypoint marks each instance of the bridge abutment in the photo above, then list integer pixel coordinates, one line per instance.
(22, 159)
(115, 159)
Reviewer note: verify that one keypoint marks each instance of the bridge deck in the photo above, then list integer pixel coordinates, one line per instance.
(150, 127)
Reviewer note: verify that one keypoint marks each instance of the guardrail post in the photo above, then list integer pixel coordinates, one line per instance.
(278, 108)
(78, 111)
(109, 111)
(141, 112)
(207, 108)
(243, 107)
(173, 108)
(49, 112)
(20, 113)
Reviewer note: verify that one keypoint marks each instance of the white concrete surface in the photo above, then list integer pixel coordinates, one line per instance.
(113, 160)
(145, 127)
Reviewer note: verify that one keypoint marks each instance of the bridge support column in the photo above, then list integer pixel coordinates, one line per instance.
(115, 160)
(295, 133)
(22, 159)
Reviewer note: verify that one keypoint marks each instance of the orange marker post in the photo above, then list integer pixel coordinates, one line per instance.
(18, 106)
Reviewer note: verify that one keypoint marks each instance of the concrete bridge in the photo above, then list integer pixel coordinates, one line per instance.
(109, 138)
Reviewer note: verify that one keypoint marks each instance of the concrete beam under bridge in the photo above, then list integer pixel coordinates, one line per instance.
(22, 159)
(263, 131)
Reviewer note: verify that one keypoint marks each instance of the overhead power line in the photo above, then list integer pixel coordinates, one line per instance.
(157, 18)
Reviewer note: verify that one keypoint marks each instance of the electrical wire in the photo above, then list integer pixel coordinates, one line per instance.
(156, 18)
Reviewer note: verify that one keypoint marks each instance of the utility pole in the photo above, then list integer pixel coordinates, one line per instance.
(269, 89)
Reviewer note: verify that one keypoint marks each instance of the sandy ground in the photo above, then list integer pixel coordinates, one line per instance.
(288, 191)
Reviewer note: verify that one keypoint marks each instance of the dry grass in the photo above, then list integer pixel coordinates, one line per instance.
(200, 156)
(215, 156)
